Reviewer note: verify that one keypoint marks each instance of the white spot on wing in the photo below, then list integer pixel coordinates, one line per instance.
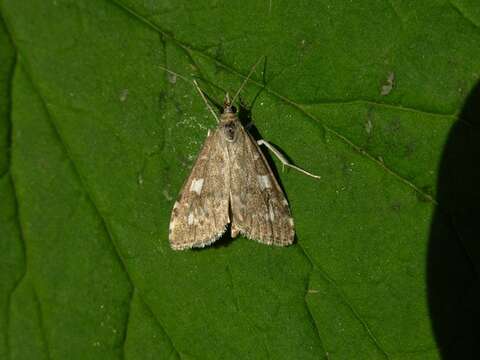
(264, 182)
(196, 186)
(190, 219)
(272, 214)
(290, 220)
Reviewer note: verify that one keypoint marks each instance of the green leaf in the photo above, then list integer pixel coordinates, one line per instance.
(96, 141)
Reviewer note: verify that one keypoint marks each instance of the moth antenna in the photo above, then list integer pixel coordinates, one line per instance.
(246, 79)
(173, 73)
(195, 84)
(205, 100)
(284, 160)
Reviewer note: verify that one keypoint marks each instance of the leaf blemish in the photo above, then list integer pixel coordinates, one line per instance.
(167, 195)
(388, 85)
(172, 78)
(123, 95)
(368, 126)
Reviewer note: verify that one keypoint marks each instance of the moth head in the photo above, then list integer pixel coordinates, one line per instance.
(228, 108)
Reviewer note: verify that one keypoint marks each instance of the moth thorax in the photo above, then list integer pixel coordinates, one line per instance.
(229, 127)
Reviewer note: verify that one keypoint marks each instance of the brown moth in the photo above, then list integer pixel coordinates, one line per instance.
(231, 183)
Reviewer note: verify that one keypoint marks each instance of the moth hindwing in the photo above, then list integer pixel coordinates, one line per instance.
(230, 183)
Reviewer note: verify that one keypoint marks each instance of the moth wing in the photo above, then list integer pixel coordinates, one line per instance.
(259, 208)
(201, 214)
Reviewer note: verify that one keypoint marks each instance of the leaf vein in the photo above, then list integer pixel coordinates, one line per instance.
(17, 213)
(344, 299)
(24, 267)
(41, 322)
(104, 223)
(463, 15)
(188, 49)
(397, 107)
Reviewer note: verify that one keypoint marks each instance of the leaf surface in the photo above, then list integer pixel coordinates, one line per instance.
(96, 141)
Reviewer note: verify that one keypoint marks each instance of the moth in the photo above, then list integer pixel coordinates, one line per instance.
(232, 184)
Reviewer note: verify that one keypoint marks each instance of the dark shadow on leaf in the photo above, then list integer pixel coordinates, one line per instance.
(453, 264)
(244, 114)
(225, 239)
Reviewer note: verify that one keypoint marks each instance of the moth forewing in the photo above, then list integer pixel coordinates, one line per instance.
(200, 215)
(259, 208)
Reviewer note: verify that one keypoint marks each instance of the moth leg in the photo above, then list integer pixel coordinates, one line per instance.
(205, 99)
(283, 160)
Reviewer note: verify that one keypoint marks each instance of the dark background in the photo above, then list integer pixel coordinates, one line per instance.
(454, 248)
